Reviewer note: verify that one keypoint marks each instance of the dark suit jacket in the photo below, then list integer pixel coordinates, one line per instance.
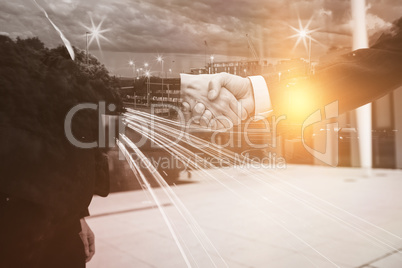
(37, 163)
(353, 79)
(64, 183)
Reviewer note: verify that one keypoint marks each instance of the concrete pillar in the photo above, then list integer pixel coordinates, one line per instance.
(398, 126)
(363, 113)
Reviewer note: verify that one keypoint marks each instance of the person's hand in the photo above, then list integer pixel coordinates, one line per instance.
(88, 238)
(239, 86)
(225, 112)
(222, 112)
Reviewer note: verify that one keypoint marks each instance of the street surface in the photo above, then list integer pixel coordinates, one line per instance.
(300, 216)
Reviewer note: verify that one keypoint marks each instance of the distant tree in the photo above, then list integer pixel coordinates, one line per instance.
(94, 73)
(32, 42)
(38, 87)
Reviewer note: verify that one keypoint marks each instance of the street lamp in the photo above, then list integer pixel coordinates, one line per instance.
(212, 63)
(148, 74)
(96, 33)
(132, 64)
(302, 33)
(160, 59)
(86, 47)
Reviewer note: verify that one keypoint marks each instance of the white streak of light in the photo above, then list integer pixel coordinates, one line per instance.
(133, 165)
(63, 38)
(176, 201)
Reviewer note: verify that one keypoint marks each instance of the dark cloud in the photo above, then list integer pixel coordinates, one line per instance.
(181, 26)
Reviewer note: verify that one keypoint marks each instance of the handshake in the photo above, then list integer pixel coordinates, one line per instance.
(217, 101)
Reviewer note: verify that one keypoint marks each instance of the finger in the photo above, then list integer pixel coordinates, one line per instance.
(244, 113)
(86, 245)
(185, 107)
(232, 112)
(189, 104)
(225, 121)
(238, 110)
(206, 118)
(91, 240)
(215, 85)
(212, 124)
(217, 123)
(237, 107)
(197, 112)
(230, 117)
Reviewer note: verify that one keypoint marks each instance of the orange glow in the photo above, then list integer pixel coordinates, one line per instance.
(301, 103)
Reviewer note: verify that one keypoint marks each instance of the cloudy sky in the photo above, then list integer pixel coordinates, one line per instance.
(178, 29)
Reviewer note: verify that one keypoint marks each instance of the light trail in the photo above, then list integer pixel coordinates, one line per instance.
(160, 139)
(161, 125)
(224, 173)
(216, 150)
(134, 166)
(173, 133)
(274, 220)
(314, 207)
(215, 179)
(175, 200)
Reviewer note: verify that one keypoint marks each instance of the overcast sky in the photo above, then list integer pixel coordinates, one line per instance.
(177, 29)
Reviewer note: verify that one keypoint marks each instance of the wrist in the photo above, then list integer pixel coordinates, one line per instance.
(250, 101)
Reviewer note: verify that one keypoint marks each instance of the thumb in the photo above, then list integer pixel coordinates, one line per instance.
(215, 85)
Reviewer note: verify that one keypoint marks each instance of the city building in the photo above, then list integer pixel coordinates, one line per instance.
(386, 141)
(145, 91)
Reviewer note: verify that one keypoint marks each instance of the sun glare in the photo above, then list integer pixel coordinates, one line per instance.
(303, 33)
(96, 33)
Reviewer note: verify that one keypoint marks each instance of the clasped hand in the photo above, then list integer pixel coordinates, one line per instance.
(217, 101)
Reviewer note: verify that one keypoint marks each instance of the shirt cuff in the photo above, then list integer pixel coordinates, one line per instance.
(262, 101)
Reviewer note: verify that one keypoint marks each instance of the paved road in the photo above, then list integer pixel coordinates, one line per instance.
(301, 216)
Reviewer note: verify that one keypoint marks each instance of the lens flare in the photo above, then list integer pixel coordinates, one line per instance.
(96, 33)
(303, 33)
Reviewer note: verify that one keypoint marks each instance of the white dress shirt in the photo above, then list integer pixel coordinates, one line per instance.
(263, 106)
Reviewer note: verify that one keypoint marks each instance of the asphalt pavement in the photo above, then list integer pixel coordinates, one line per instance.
(298, 216)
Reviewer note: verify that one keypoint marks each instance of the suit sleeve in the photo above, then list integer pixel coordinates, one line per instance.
(84, 213)
(353, 80)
